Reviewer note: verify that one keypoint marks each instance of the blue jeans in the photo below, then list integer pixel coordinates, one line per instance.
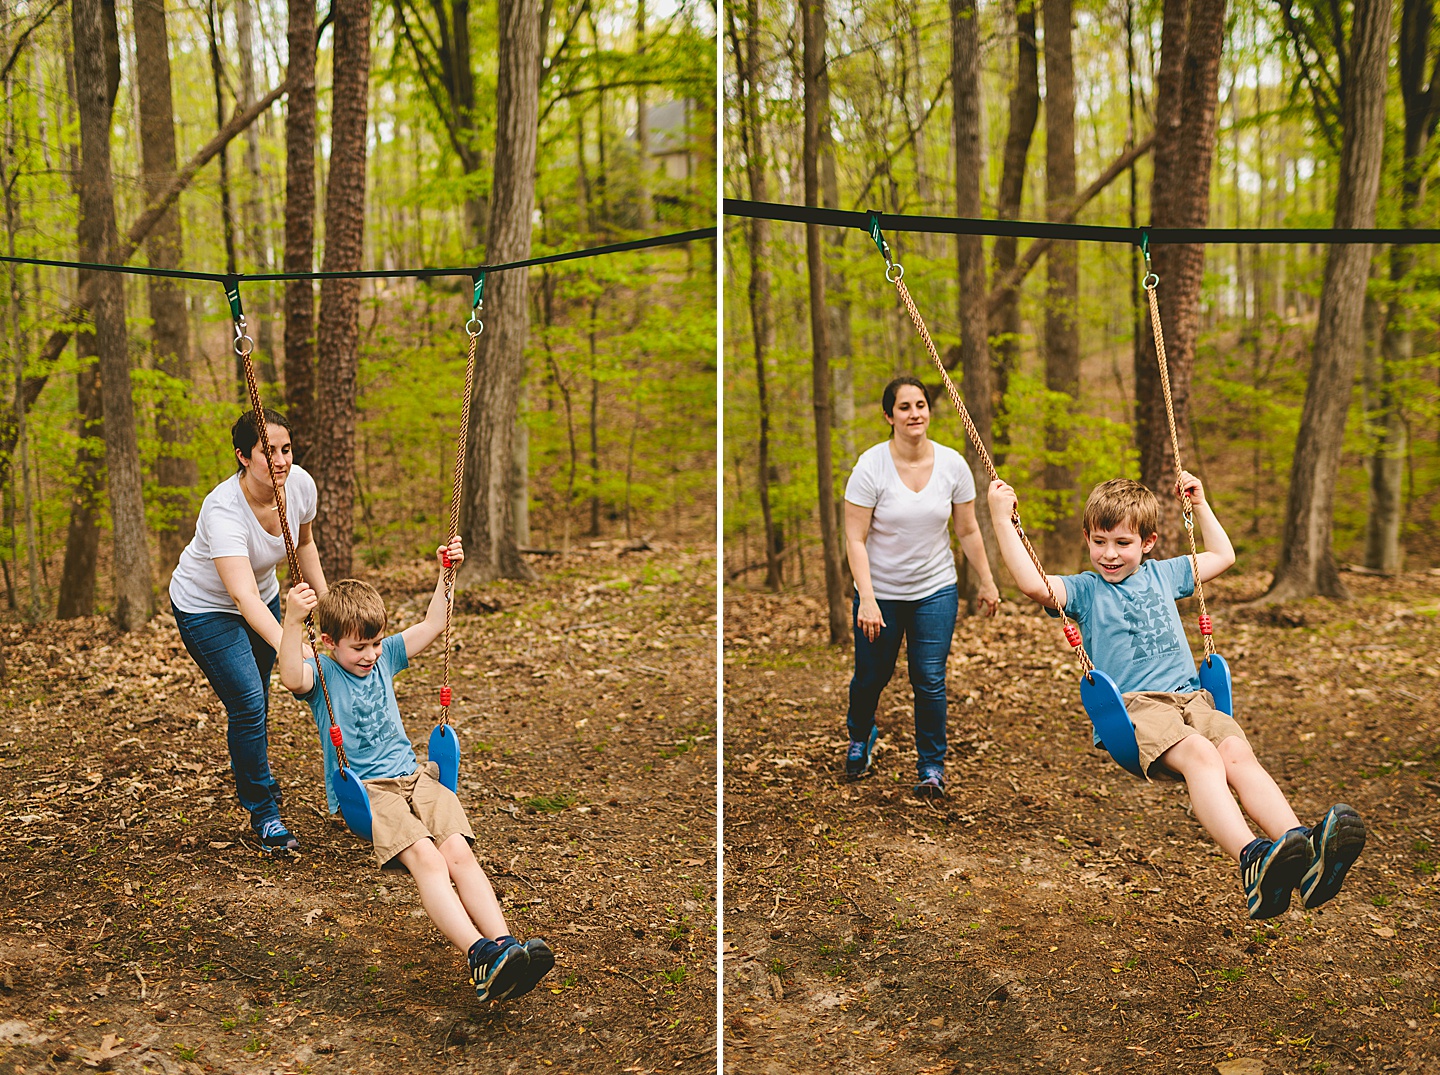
(237, 663)
(927, 625)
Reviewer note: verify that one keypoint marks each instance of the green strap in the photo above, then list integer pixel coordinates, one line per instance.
(232, 293)
(479, 291)
(878, 239)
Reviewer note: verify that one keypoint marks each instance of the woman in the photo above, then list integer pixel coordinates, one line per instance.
(901, 495)
(227, 602)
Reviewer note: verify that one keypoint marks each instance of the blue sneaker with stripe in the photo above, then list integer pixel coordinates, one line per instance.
(1335, 844)
(1271, 869)
(857, 758)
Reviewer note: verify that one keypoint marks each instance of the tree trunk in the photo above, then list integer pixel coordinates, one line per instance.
(134, 599)
(338, 339)
(175, 473)
(1185, 108)
(300, 228)
(82, 536)
(757, 231)
(646, 203)
(1024, 110)
(976, 379)
(1062, 271)
(1307, 562)
(257, 222)
(814, 65)
(487, 518)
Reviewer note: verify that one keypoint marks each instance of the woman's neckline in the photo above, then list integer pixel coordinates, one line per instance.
(896, 461)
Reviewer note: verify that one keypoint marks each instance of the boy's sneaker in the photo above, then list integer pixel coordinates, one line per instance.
(857, 758)
(496, 978)
(276, 838)
(931, 784)
(542, 961)
(1335, 844)
(1270, 869)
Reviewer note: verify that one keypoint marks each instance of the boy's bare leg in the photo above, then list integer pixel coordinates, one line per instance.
(476, 893)
(432, 877)
(1196, 759)
(1260, 796)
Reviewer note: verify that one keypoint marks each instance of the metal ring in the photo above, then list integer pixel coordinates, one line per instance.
(479, 327)
(899, 272)
(244, 345)
(1150, 282)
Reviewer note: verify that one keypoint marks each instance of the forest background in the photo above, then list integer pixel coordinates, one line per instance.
(1305, 376)
(418, 117)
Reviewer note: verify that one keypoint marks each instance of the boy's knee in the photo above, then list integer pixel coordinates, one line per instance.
(456, 851)
(422, 855)
(1193, 754)
(1236, 751)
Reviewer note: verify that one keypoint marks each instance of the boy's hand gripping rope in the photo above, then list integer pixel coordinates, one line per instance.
(473, 327)
(895, 274)
(1150, 282)
(244, 345)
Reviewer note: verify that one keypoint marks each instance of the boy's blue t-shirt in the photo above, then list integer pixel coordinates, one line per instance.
(369, 718)
(1132, 628)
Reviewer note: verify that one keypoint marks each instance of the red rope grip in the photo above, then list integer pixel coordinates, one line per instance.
(445, 696)
(1072, 635)
(1206, 627)
(335, 736)
(445, 559)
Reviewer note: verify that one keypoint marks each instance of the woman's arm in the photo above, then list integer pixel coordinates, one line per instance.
(239, 579)
(857, 529)
(972, 544)
(309, 557)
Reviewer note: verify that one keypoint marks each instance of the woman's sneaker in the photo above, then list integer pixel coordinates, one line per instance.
(1335, 844)
(495, 978)
(541, 963)
(1270, 870)
(276, 838)
(857, 758)
(931, 784)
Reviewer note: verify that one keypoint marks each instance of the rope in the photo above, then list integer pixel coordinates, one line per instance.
(1090, 233)
(372, 274)
(1072, 631)
(1151, 282)
(457, 481)
(244, 345)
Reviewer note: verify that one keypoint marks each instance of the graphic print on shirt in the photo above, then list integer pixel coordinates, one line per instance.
(1148, 619)
(369, 717)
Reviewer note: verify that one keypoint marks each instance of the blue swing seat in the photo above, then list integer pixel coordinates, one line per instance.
(354, 802)
(1116, 732)
(445, 752)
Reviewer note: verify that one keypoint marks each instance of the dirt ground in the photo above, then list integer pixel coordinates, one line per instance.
(141, 929)
(1053, 913)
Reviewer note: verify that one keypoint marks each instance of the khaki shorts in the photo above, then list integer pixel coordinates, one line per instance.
(1162, 719)
(407, 809)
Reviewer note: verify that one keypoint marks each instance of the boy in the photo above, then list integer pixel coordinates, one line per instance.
(419, 823)
(1129, 621)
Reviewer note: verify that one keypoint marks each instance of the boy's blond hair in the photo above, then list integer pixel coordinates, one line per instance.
(1120, 502)
(352, 608)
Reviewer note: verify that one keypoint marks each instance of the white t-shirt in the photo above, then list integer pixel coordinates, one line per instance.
(227, 526)
(909, 539)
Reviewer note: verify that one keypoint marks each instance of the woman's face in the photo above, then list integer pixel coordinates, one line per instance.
(911, 416)
(280, 453)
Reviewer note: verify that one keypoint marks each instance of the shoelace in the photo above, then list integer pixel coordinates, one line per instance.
(274, 827)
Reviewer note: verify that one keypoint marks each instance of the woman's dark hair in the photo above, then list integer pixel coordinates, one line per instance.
(245, 434)
(887, 400)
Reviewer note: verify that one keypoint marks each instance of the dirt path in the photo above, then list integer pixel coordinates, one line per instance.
(142, 930)
(1055, 914)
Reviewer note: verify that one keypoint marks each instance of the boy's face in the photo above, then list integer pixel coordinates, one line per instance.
(356, 655)
(1117, 553)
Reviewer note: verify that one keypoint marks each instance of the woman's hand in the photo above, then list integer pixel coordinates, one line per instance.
(989, 597)
(868, 618)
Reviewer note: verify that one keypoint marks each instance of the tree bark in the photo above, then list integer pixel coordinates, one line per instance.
(257, 211)
(175, 473)
(1062, 271)
(1024, 110)
(338, 339)
(976, 380)
(300, 228)
(1186, 101)
(757, 231)
(487, 518)
(1307, 562)
(82, 535)
(814, 67)
(134, 599)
